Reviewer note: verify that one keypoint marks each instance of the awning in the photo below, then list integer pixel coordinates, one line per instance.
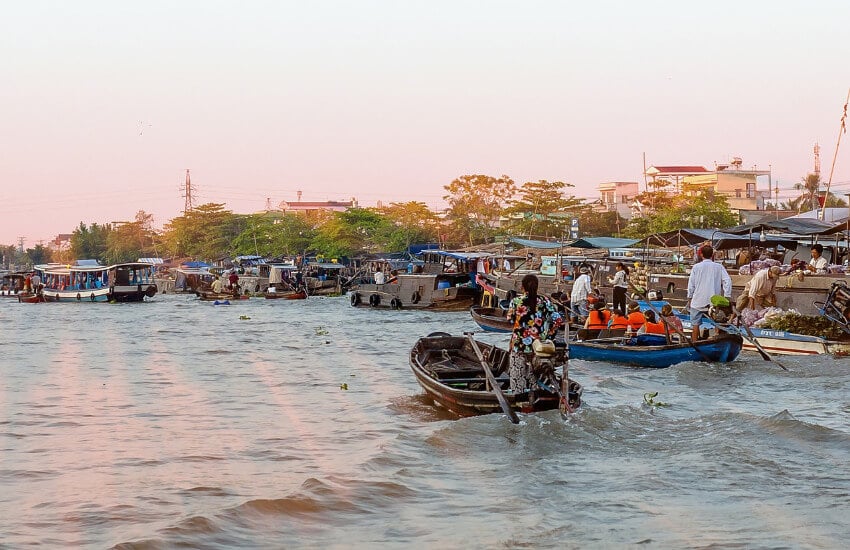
(603, 242)
(531, 243)
(720, 240)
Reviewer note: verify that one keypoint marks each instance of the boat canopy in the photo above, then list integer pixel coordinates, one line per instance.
(195, 265)
(720, 240)
(154, 261)
(797, 226)
(531, 243)
(603, 242)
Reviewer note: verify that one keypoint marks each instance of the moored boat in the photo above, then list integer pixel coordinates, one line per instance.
(274, 293)
(780, 342)
(491, 319)
(446, 283)
(449, 371)
(653, 351)
(210, 296)
(131, 282)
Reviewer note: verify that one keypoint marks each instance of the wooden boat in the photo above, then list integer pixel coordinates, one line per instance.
(131, 282)
(651, 351)
(285, 294)
(449, 371)
(446, 283)
(491, 319)
(779, 342)
(210, 296)
(12, 284)
(30, 298)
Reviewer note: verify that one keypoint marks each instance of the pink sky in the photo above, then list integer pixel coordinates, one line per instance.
(106, 104)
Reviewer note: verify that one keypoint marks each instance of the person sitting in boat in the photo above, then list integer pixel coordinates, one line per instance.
(533, 317)
(651, 326)
(234, 281)
(670, 318)
(760, 291)
(598, 318)
(217, 285)
(619, 321)
(818, 263)
(635, 317)
(393, 280)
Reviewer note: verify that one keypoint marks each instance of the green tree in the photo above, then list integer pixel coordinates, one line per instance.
(542, 210)
(475, 202)
(704, 211)
(90, 242)
(601, 224)
(410, 222)
(274, 234)
(133, 240)
(351, 232)
(206, 232)
(39, 254)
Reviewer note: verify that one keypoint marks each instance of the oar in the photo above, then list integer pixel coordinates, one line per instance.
(497, 390)
(752, 339)
(668, 325)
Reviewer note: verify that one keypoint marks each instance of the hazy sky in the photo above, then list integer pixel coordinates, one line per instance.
(106, 104)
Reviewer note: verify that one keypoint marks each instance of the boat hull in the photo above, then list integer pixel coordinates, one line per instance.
(779, 342)
(76, 296)
(721, 350)
(464, 392)
(491, 319)
(287, 295)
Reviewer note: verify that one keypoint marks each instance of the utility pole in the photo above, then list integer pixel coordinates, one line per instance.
(21, 245)
(187, 194)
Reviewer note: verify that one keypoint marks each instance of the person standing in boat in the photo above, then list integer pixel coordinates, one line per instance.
(581, 290)
(621, 286)
(708, 278)
(533, 317)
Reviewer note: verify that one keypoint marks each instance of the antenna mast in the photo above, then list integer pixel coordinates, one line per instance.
(187, 194)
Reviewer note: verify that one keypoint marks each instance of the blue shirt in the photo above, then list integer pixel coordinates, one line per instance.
(708, 279)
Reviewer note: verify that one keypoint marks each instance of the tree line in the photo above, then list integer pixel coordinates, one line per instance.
(481, 209)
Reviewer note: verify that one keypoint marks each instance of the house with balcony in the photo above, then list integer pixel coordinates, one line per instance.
(618, 196)
(740, 186)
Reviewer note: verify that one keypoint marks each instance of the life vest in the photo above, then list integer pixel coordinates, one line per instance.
(636, 320)
(620, 322)
(654, 328)
(598, 319)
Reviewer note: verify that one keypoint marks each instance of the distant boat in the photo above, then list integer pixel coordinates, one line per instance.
(88, 281)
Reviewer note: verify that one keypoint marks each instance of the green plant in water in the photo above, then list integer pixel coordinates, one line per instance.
(321, 331)
(649, 399)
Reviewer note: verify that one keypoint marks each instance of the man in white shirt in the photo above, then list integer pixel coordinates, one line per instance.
(380, 278)
(581, 288)
(818, 263)
(706, 280)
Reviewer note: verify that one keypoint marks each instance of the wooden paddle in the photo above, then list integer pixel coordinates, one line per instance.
(752, 339)
(494, 384)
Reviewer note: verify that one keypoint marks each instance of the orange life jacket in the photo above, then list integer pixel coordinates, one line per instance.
(654, 328)
(636, 320)
(619, 322)
(598, 319)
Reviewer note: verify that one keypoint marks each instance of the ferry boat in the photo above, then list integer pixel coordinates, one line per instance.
(88, 281)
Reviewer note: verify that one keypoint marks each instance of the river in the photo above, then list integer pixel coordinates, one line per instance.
(178, 423)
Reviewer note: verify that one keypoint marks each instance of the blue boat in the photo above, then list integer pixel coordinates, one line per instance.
(652, 351)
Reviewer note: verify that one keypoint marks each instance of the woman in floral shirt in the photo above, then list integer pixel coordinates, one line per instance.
(533, 318)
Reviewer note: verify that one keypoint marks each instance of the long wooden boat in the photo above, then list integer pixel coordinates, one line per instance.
(643, 352)
(491, 319)
(30, 298)
(449, 371)
(779, 342)
(210, 296)
(289, 294)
